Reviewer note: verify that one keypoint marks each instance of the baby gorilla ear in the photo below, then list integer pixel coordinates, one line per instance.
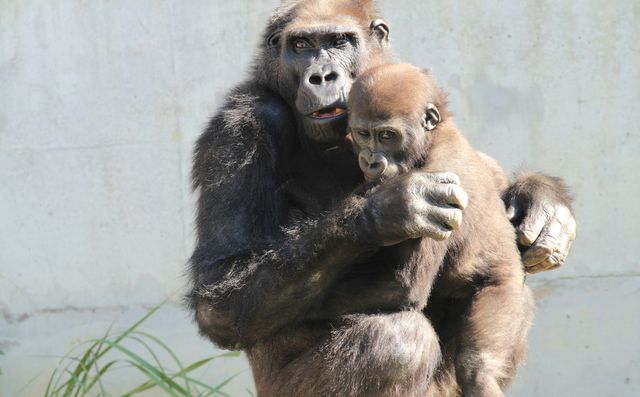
(431, 117)
(380, 29)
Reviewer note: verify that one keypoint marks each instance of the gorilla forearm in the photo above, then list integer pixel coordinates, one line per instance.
(530, 187)
(244, 298)
(249, 278)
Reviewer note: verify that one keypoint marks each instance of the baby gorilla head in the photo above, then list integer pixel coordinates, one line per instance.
(393, 110)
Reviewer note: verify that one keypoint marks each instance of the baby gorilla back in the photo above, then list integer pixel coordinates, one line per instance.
(482, 270)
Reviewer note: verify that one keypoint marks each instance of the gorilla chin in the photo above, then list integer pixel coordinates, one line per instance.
(326, 125)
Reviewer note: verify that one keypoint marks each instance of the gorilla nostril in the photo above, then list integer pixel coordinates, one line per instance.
(331, 76)
(315, 79)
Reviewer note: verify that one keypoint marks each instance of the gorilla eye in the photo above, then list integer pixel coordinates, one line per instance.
(363, 133)
(387, 135)
(301, 44)
(340, 42)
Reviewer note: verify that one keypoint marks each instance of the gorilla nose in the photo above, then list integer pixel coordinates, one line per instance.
(323, 77)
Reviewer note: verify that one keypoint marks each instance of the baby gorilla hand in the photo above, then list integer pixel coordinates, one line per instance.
(415, 205)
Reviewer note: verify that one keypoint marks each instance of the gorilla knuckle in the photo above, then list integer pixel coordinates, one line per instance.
(461, 199)
(527, 236)
(440, 235)
(455, 218)
(445, 177)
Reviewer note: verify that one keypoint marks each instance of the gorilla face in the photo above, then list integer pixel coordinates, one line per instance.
(318, 64)
(325, 62)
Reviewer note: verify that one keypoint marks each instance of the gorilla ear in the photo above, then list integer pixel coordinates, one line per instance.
(431, 117)
(380, 29)
(274, 39)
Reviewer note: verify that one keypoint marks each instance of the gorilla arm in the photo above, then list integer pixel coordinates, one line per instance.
(249, 278)
(539, 206)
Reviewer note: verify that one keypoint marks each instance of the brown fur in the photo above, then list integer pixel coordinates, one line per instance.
(286, 265)
(332, 12)
(399, 89)
(481, 264)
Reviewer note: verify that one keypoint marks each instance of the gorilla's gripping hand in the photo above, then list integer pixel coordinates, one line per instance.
(539, 207)
(414, 205)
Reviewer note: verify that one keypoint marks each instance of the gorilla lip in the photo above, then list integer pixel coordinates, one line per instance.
(328, 112)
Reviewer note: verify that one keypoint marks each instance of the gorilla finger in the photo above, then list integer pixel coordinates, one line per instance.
(444, 177)
(564, 246)
(511, 212)
(447, 218)
(537, 268)
(536, 255)
(437, 234)
(552, 261)
(547, 264)
(449, 194)
(553, 267)
(546, 245)
(551, 235)
(426, 228)
(532, 225)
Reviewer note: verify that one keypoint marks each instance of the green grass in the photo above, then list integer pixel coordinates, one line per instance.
(83, 371)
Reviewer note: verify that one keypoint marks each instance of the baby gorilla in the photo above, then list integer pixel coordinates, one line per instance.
(399, 124)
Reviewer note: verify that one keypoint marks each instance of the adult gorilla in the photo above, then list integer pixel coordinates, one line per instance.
(283, 246)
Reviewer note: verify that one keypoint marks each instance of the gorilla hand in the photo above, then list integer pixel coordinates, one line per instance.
(414, 205)
(539, 206)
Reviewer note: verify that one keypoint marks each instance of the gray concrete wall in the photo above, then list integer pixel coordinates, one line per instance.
(100, 102)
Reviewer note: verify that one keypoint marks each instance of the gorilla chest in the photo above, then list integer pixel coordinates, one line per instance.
(319, 181)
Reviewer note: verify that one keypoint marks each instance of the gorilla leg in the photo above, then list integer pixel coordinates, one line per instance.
(380, 355)
(492, 340)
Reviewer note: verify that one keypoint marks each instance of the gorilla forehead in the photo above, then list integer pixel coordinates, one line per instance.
(306, 13)
(394, 89)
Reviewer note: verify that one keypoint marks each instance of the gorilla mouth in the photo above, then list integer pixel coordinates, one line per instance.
(328, 113)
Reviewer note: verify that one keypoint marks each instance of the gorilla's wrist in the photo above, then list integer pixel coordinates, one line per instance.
(528, 189)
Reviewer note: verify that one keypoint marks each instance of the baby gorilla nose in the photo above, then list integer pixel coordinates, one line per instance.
(373, 165)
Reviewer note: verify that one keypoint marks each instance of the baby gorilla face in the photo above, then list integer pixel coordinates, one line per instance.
(380, 146)
(392, 113)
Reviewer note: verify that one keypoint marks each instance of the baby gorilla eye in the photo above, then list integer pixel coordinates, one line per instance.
(387, 135)
(363, 133)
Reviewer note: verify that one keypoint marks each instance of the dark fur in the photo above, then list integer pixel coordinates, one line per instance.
(278, 232)
(528, 188)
